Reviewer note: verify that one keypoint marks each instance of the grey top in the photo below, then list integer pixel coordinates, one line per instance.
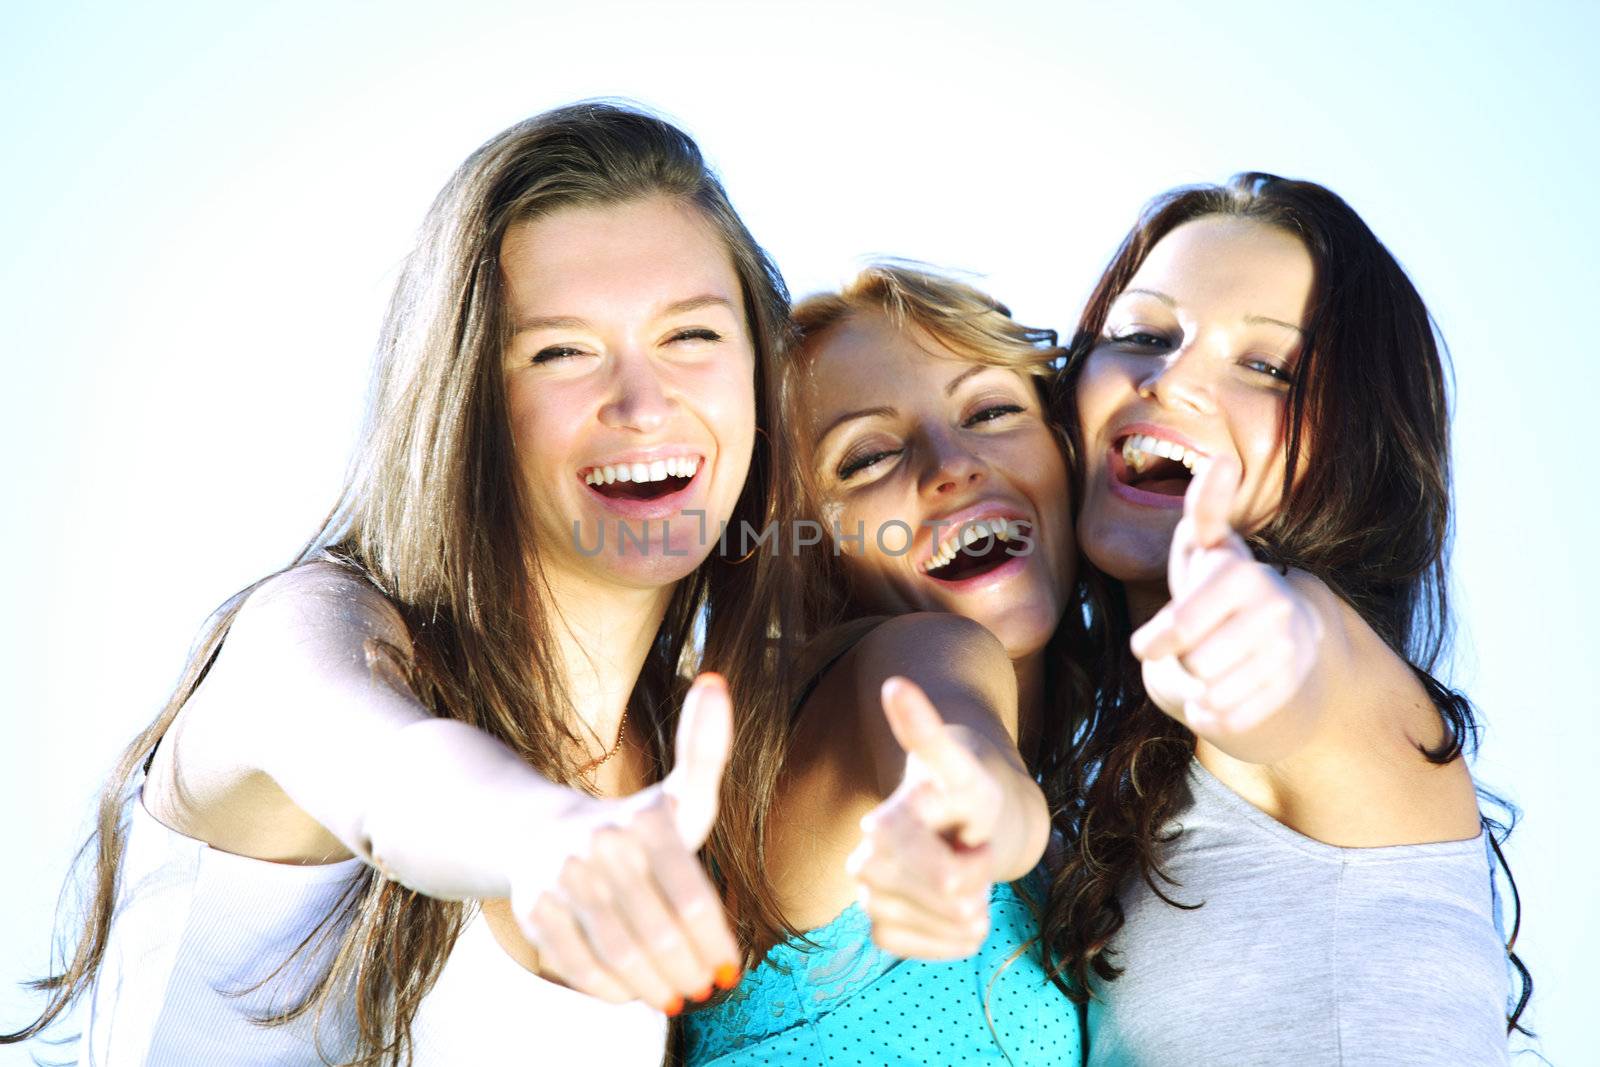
(1304, 953)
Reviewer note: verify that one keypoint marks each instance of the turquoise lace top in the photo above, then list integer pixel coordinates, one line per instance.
(848, 1002)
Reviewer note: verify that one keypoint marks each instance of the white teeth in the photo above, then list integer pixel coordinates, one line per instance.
(968, 533)
(1138, 449)
(654, 471)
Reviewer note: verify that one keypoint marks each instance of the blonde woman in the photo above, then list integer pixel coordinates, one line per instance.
(412, 796)
(883, 821)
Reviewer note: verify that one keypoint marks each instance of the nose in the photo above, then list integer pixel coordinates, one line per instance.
(951, 466)
(638, 400)
(1179, 380)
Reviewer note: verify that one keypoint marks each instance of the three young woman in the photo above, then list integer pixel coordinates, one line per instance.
(455, 685)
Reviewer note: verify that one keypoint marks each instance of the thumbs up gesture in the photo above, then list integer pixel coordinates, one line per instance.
(1237, 642)
(615, 900)
(927, 856)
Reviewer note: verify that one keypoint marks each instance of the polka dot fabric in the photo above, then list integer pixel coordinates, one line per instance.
(842, 1001)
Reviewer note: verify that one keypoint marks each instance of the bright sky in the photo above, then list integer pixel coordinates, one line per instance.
(204, 206)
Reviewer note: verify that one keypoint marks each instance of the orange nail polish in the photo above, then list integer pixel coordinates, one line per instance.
(727, 976)
(675, 1006)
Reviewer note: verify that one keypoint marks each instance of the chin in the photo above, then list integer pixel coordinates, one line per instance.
(619, 559)
(1127, 552)
(651, 571)
(1022, 631)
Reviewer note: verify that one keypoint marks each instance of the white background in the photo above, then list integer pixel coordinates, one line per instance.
(202, 208)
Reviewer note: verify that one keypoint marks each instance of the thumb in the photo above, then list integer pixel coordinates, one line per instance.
(920, 730)
(1209, 501)
(705, 734)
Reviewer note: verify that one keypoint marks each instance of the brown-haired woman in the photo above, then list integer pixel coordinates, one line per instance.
(885, 818)
(463, 690)
(1275, 850)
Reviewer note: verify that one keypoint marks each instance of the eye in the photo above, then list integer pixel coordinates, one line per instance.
(853, 465)
(555, 352)
(991, 413)
(1270, 369)
(696, 333)
(1136, 338)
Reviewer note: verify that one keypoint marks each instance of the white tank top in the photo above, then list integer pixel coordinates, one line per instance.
(195, 929)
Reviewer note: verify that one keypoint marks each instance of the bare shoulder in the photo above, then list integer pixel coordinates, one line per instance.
(1363, 779)
(842, 733)
(318, 600)
(296, 642)
(929, 640)
(313, 629)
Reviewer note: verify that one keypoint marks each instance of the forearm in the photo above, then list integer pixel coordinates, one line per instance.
(448, 810)
(1023, 828)
(307, 695)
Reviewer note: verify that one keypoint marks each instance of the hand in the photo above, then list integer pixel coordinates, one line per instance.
(1237, 641)
(924, 865)
(617, 904)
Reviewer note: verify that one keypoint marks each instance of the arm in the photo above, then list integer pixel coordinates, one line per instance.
(960, 809)
(1294, 699)
(448, 810)
(966, 675)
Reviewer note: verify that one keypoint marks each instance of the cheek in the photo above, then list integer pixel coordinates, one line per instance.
(726, 401)
(865, 512)
(541, 421)
(1102, 386)
(1051, 490)
(1258, 430)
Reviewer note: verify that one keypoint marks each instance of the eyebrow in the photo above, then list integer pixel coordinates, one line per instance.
(1254, 320)
(1257, 320)
(572, 322)
(955, 383)
(851, 416)
(1163, 297)
(883, 410)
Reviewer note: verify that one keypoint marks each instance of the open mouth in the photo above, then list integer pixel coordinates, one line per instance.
(975, 548)
(1157, 466)
(642, 481)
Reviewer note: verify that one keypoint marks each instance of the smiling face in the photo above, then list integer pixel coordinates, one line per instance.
(916, 447)
(1195, 361)
(630, 385)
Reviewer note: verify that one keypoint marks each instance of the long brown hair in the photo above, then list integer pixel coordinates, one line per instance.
(1371, 519)
(822, 617)
(429, 514)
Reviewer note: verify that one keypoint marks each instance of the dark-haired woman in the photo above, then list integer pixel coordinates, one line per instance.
(409, 795)
(1276, 853)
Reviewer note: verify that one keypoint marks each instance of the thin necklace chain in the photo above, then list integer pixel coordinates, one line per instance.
(622, 732)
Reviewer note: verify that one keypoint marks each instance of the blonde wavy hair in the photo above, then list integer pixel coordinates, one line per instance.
(822, 618)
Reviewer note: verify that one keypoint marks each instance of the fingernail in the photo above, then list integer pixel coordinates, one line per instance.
(675, 1006)
(704, 995)
(727, 976)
